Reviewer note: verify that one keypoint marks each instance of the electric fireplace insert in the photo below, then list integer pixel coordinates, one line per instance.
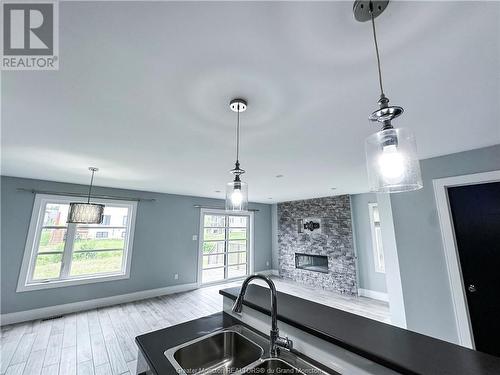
(311, 262)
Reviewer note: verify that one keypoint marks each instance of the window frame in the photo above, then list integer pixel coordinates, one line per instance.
(375, 247)
(26, 283)
(250, 240)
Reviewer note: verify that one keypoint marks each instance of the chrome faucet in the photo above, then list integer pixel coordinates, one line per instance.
(276, 341)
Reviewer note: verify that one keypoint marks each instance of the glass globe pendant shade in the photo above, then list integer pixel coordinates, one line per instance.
(85, 213)
(236, 196)
(392, 162)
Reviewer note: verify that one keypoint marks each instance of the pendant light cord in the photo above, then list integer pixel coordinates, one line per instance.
(90, 186)
(376, 50)
(238, 135)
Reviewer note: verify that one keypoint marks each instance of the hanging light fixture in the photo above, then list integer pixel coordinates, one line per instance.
(391, 154)
(237, 190)
(86, 213)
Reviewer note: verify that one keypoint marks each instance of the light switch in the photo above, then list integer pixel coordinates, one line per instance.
(195, 237)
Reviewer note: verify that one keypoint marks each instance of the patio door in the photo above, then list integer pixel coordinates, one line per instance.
(225, 243)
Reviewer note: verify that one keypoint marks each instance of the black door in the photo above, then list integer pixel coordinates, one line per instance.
(476, 217)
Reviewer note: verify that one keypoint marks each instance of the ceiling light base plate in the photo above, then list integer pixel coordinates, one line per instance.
(238, 105)
(361, 9)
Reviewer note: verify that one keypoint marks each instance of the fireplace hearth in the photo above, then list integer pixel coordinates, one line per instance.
(311, 262)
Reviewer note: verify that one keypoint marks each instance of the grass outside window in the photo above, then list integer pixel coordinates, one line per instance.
(57, 251)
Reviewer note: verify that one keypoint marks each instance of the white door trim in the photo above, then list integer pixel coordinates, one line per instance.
(458, 296)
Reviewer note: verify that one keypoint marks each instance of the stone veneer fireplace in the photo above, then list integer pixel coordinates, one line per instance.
(333, 244)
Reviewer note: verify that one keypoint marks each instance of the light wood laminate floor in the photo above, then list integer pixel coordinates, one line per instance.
(101, 341)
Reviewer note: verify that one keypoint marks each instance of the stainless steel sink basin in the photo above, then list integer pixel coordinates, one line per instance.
(237, 351)
(222, 352)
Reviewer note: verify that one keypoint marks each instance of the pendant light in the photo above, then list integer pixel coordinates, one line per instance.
(237, 190)
(391, 153)
(86, 213)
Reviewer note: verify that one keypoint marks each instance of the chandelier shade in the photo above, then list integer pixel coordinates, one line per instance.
(85, 213)
(392, 162)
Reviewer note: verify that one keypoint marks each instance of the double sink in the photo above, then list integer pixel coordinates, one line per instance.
(235, 350)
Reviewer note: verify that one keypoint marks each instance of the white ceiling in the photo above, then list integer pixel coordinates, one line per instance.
(143, 89)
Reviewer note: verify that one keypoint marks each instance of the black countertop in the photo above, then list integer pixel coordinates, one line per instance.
(153, 344)
(401, 350)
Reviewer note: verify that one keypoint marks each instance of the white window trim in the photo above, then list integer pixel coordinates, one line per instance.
(374, 239)
(24, 284)
(250, 215)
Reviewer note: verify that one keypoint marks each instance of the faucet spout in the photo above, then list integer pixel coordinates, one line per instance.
(275, 340)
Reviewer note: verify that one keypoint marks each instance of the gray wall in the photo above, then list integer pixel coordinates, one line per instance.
(163, 244)
(424, 275)
(368, 278)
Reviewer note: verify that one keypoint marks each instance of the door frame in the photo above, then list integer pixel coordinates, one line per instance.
(458, 293)
(250, 259)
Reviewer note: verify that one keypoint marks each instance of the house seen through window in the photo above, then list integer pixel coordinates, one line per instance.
(58, 251)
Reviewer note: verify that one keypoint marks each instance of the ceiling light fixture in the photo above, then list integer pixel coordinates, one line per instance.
(391, 154)
(237, 190)
(86, 213)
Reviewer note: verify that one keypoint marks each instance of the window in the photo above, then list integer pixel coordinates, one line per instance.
(225, 242)
(378, 250)
(61, 254)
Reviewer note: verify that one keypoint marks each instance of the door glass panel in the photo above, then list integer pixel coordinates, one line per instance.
(214, 234)
(214, 247)
(47, 266)
(238, 221)
(238, 234)
(235, 271)
(237, 246)
(214, 221)
(211, 275)
(210, 261)
(237, 258)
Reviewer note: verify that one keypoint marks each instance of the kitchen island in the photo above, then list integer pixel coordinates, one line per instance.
(384, 348)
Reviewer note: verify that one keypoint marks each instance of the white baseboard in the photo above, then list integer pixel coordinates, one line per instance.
(269, 272)
(373, 294)
(46, 312)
